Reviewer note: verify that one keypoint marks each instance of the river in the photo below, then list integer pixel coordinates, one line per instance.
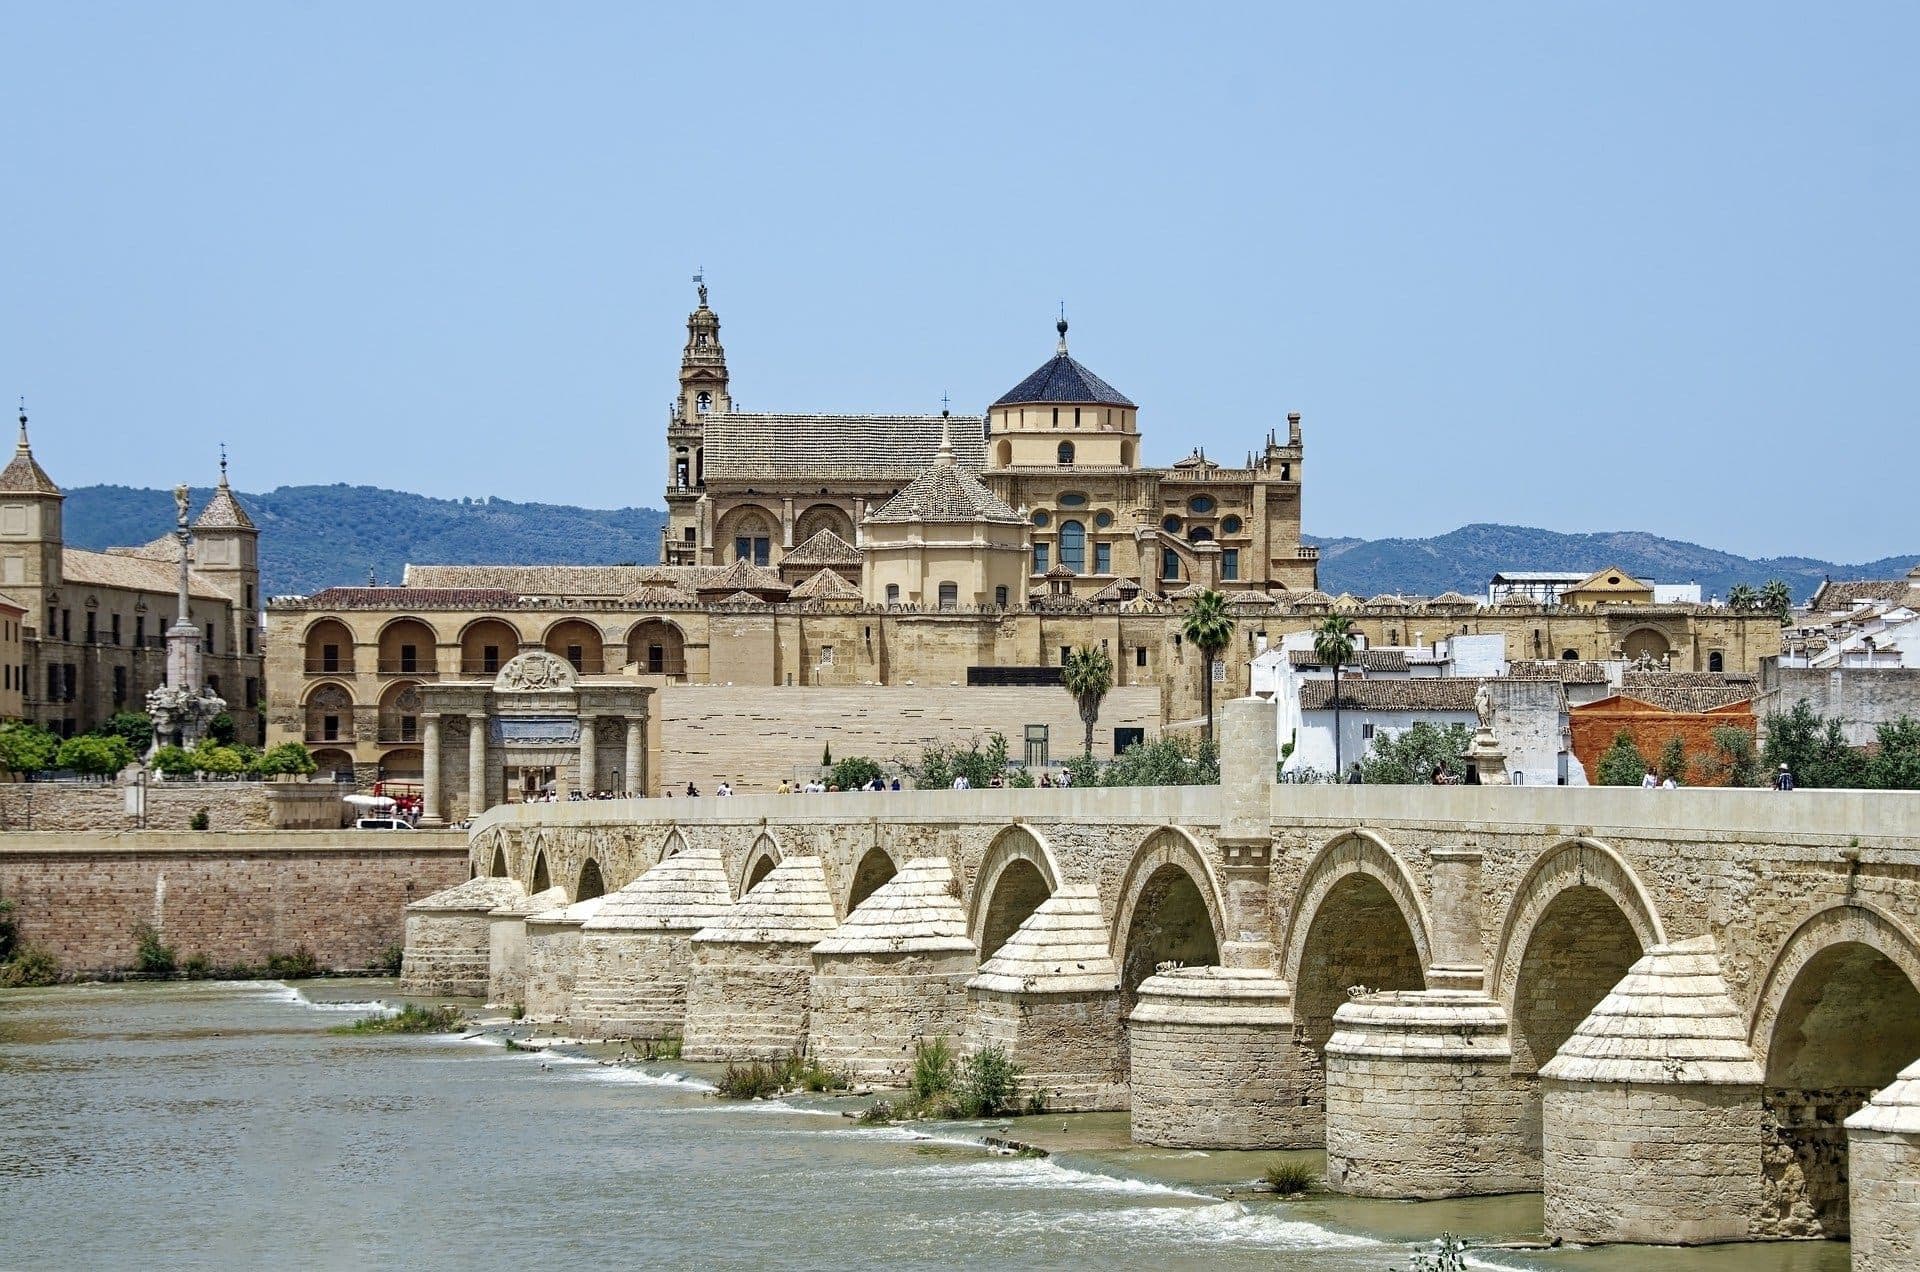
(220, 1125)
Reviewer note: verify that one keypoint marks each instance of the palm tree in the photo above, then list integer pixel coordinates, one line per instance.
(1741, 597)
(1776, 598)
(1088, 675)
(1333, 644)
(1208, 629)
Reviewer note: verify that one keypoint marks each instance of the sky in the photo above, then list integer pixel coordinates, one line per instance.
(1580, 266)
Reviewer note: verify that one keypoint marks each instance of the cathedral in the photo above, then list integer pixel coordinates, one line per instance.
(1047, 496)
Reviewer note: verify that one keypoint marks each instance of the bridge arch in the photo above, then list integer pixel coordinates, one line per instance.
(1016, 875)
(493, 847)
(760, 861)
(591, 883)
(542, 878)
(1350, 853)
(1171, 910)
(672, 846)
(875, 867)
(1580, 918)
(1838, 1017)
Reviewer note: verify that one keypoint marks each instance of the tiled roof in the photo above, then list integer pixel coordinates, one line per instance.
(1062, 378)
(1565, 670)
(739, 599)
(1369, 659)
(742, 576)
(685, 892)
(410, 598)
(134, 574)
(1684, 679)
(882, 447)
(1452, 599)
(1839, 597)
(24, 476)
(946, 492)
(1693, 700)
(825, 586)
(655, 594)
(1191, 592)
(824, 548)
(223, 511)
(1312, 596)
(1118, 590)
(1249, 597)
(1061, 570)
(535, 580)
(1443, 693)
(9, 603)
(1387, 600)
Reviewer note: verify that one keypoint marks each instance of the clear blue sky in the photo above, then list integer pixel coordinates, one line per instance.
(1587, 267)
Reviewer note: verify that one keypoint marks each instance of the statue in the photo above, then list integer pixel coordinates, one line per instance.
(1483, 706)
(180, 506)
(181, 715)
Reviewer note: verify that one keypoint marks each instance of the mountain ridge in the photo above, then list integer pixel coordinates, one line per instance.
(320, 536)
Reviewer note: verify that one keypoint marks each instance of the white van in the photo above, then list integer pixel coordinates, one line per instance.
(382, 823)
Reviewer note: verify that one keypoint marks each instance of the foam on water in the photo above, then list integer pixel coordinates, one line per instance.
(587, 1067)
(1032, 1173)
(1223, 1223)
(284, 993)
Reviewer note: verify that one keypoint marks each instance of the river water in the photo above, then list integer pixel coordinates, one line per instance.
(223, 1126)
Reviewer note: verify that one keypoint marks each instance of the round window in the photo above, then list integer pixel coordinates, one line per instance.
(1170, 524)
(1103, 519)
(1230, 525)
(1040, 517)
(1200, 503)
(1072, 499)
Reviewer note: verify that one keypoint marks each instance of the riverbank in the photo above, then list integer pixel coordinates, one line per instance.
(209, 1124)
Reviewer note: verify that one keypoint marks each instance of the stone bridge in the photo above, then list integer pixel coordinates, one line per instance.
(1658, 1006)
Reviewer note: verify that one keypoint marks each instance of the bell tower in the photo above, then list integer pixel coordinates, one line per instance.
(31, 541)
(703, 392)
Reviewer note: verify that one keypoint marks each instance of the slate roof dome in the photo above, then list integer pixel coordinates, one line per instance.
(1062, 378)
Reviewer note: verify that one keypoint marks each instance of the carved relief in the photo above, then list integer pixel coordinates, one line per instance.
(536, 670)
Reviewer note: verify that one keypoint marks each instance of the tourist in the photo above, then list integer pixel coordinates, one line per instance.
(1440, 776)
(785, 788)
(1046, 781)
(1668, 784)
(724, 788)
(896, 784)
(960, 782)
(1353, 774)
(692, 791)
(1065, 779)
(1649, 781)
(1783, 780)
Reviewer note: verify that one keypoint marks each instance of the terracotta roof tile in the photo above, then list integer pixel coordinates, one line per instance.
(133, 573)
(411, 598)
(1444, 693)
(824, 548)
(825, 586)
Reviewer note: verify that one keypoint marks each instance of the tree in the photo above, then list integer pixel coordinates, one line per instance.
(1208, 629)
(1673, 761)
(289, 759)
(1620, 764)
(1333, 644)
(1411, 757)
(1897, 766)
(95, 755)
(1742, 597)
(222, 761)
(853, 773)
(1776, 598)
(1732, 762)
(134, 726)
(27, 748)
(1162, 762)
(175, 762)
(1814, 748)
(1088, 675)
(220, 729)
(939, 765)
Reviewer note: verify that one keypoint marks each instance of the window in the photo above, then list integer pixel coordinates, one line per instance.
(249, 597)
(1000, 597)
(1072, 499)
(893, 593)
(680, 473)
(1170, 524)
(1286, 472)
(1200, 534)
(1040, 517)
(1229, 563)
(1201, 504)
(1366, 731)
(330, 728)
(209, 638)
(249, 630)
(1715, 662)
(949, 595)
(53, 682)
(410, 659)
(1056, 420)
(1140, 656)
(687, 536)
(1066, 651)
(1229, 525)
(826, 655)
(1169, 564)
(139, 629)
(1036, 756)
(1065, 454)
(329, 658)
(1103, 558)
(1127, 737)
(489, 658)
(1039, 558)
(92, 628)
(66, 624)
(1076, 417)
(1102, 519)
(119, 685)
(1570, 655)
(1073, 546)
(253, 691)
(703, 402)
(70, 681)
(577, 655)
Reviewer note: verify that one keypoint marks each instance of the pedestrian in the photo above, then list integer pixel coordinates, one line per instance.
(1353, 774)
(960, 782)
(896, 784)
(1668, 784)
(692, 790)
(1649, 781)
(723, 789)
(1783, 780)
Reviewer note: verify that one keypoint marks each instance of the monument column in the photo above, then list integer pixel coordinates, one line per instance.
(1250, 754)
(476, 763)
(430, 766)
(636, 756)
(589, 758)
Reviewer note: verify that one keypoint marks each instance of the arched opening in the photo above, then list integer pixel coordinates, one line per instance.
(329, 713)
(758, 871)
(1073, 546)
(329, 648)
(1003, 453)
(1065, 454)
(657, 648)
(874, 870)
(591, 884)
(499, 870)
(1716, 661)
(1017, 893)
(761, 859)
(487, 646)
(400, 707)
(1647, 643)
(823, 517)
(1849, 1023)
(407, 648)
(330, 764)
(541, 879)
(747, 534)
(1358, 938)
(1170, 924)
(405, 763)
(579, 642)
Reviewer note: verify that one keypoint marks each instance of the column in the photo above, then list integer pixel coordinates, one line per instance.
(476, 763)
(1249, 754)
(1459, 960)
(786, 524)
(430, 755)
(589, 760)
(636, 755)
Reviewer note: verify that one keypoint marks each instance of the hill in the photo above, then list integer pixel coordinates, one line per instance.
(315, 536)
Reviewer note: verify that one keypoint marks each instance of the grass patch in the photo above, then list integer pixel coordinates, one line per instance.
(667, 1048)
(791, 1072)
(150, 954)
(989, 1084)
(29, 967)
(410, 1019)
(1288, 1179)
(747, 1082)
(932, 1070)
(299, 965)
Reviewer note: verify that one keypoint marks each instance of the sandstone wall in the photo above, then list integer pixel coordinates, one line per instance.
(1217, 1086)
(447, 953)
(747, 1001)
(631, 984)
(867, 1012)
(1886, 1202)
(234, 898)
(90, 806)
(553, 951)
(1069, 1047)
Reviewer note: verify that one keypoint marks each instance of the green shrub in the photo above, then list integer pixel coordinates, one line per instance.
(94, 755)
(1288, 1179)
(289, 759)
(518, 1011)
(29, 967)
(411, 1018)
(1021, 779)
(1621, 763)
(879, 1113)
(220, 729)
(391, 959)
(667, 1048)
(988, 1085)
(1409, 758)
(132, 726)
(201, 820)
(27, 748)
(150, 955)
(854, 772)
(196, 967)
(747, 1082)
(220, 761)
(173, 761)
(9, 930)
(299, 965)
(932, 1070)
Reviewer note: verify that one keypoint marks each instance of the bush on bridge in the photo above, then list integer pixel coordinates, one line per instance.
(1621, 764)
(1161, 762)
(1410, 758)
(854, 772)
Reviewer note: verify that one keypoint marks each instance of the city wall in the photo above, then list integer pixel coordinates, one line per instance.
(102, 806)
(235, 898)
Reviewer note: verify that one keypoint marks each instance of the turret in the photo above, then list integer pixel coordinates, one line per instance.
(227, 554)
(1062, 416)
(30, 535)
(703, 392)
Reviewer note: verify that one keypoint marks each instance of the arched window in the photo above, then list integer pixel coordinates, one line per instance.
(1066, 454)
(1000, 597)
(1005, 452)
(1170, 524)
(949, 595)
(1229, 525)
(1200, 534)
(1169, 564)
(703, 402)
(1073, 546)
(1570, 655)
(1715, 662)
(1201, 503)
(893, 593)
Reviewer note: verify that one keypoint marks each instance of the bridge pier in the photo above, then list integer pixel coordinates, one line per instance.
(449, 939)
(1213, 1063)
(1652, 1125)
(636, 953)
(507, 944)
(753, 970)
(1050, 998)
(1883, 1157)
(553, 955)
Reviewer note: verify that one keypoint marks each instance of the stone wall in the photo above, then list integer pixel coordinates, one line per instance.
(94, 806)
(1861, 697)
(234, 898)
(868, 1012)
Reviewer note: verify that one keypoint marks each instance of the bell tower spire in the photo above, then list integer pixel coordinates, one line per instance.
(703, 393)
